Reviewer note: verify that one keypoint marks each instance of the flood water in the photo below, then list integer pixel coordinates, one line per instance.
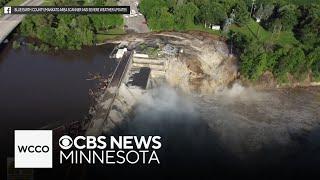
(39, 89)
(236, 133)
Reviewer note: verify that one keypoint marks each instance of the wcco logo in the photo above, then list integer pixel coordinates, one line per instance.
(33, 148)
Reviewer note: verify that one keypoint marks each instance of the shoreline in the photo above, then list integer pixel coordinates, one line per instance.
(246, 82)
(311, 84)
(282, 86)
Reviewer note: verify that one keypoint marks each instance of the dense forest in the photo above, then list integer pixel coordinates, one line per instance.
(69, 31)
(3, 2)
(277, 36)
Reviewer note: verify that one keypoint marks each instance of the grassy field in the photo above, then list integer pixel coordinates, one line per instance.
(47, 3)
(203, 29)
(111, 34)
(254, 30)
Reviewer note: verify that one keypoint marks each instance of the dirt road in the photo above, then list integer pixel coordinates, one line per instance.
(135, 21)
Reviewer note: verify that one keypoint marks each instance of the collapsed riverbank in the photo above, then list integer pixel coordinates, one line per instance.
(194, 64)
(266, 81)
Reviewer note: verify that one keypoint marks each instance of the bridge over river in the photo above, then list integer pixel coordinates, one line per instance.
(9, 22)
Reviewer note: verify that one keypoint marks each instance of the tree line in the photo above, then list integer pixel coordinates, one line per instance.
(278, 36)
(287, 59)
(3, 2)
(69, 31)
(183, 14)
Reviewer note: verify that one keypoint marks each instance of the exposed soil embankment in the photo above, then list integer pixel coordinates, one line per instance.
(246, 122)
(203, 62)
(195, 62)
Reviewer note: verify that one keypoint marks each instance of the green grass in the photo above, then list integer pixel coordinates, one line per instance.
(198, 27)
(203, 29)
(286, 38)
(47, 3)
(12, 3)
(110, 34)
(255, 30)
(252, 29)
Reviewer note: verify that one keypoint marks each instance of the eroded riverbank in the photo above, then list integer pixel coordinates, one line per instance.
(237, 132)
(207, 118)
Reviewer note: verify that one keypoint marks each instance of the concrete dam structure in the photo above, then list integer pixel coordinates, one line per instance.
(130, 79)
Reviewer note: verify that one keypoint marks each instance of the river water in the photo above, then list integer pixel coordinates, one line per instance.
(234, 133)
(40, 89)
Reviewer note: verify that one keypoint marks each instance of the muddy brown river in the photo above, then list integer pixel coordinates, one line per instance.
(233, 133)
(40, 89)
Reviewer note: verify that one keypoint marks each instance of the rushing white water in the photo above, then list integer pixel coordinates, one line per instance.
(248, 121)
(161, 107)
(244, 121)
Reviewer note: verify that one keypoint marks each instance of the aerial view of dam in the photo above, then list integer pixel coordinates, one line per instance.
(231, 87)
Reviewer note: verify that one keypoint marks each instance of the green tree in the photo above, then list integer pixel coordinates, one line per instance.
(165, 21)
(184, 15)
(27, 26)
(62, 32)
(151, 8)
(229, 5)
(46, 34)
(250, 58)
(264, 12)
(3, 2)
(313, 62)
(242, 13)
(99, 21)
(288, 17)
(308, 30)
(261, 65)
(83, 22)
(294, 63)
(211, 12)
